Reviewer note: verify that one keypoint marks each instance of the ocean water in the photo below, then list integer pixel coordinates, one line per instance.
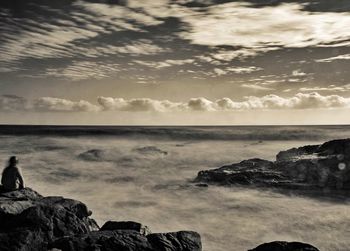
(144, 174)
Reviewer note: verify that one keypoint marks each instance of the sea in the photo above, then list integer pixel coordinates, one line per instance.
(145, 174)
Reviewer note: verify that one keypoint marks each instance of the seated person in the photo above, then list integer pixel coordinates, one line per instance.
(11, 176)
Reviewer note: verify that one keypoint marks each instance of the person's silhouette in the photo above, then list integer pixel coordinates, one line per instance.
(11, 176)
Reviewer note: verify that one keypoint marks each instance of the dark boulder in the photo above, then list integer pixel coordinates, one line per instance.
(284, 246)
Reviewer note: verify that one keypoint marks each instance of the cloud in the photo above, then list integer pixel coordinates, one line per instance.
(298, 73)
(80, 70)
(200, 104)
(257, 87)
(285, 25)
(242, 53)
(300, 101)
(235, 69)
(331, 88)
(331, 59)
(137, 104)
(312, 100)
(53, 33)
(165, 63)
(51, 104)
(12, 103)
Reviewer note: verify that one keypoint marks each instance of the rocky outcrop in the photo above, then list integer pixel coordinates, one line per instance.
(316, 167)
(284, 246)
(29, 221)
(150, 150)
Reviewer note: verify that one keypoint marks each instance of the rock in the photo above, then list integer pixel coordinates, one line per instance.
(126, 225)
(150, 150)
(201, 185)
(176, 241)
(335, 147)
(110, 240)
(31, 222)
(296, 153)
(104, 240)
(323, 167)
(247, 172)
(284, 246)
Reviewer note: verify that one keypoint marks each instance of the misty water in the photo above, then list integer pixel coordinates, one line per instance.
(146, 177)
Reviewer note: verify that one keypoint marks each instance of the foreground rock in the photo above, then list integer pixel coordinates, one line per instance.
(31, 222)
(284, 246)
(323, 167)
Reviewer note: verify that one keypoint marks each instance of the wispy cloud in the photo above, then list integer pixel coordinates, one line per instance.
(81, 70)
(330, 88)
(331, 59)
(89, 40)
(257, 87)
(165, 63)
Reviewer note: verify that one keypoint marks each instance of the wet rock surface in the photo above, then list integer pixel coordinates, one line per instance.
(29, 221)
(324, 167)
(284, 246)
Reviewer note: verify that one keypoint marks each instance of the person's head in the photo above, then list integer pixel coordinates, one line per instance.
(13, 161)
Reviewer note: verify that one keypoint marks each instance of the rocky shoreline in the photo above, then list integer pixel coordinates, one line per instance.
(324, 168)
(31, 222)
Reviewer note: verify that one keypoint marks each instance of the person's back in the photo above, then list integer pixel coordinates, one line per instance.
(11, 176)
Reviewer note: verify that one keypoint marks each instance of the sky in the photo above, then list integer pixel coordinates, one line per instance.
(167, 62)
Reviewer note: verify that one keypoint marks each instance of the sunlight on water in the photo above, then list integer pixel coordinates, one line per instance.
(148, 180)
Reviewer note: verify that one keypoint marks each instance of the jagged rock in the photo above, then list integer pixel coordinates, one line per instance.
(31, 222)
(284, 246)
(315, 167)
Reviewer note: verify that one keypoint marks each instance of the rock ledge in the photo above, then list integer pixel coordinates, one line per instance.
(31, 222)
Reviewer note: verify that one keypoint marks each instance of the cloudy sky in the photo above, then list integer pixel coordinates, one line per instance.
(170, 62)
